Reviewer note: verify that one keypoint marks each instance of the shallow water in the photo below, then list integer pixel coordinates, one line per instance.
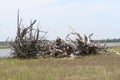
(5, 52)
(112, 44)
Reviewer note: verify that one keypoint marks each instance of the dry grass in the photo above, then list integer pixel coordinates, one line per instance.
(99, 67)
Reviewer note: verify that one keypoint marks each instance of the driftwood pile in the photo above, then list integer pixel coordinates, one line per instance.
(29, 44)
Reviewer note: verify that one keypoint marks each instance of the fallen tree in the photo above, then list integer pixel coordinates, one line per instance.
(78, 47)
(85, 45)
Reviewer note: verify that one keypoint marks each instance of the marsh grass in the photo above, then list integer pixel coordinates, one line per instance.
(115, 48)
(93, 67)
(4, 47)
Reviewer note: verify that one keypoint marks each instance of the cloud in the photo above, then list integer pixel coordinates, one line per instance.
(99, 8)
(49, 7)
(75, 9)
(27, 4)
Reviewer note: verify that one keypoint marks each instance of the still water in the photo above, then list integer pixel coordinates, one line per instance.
(112, 44)
(6, 52)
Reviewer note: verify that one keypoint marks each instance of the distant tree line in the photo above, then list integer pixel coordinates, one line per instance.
(109, 40)
(3, 43)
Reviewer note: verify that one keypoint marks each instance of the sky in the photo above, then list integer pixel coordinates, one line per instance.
(101, 17)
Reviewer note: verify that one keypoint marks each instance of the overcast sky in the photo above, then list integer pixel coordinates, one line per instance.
(101, 17)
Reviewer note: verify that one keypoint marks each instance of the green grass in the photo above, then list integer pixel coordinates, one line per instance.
(99, 67)
(115, 48)
(4, 47)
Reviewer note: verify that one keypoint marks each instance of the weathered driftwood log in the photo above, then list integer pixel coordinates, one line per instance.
(61, 48)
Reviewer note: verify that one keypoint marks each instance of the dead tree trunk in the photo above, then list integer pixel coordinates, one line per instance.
(26, 44)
